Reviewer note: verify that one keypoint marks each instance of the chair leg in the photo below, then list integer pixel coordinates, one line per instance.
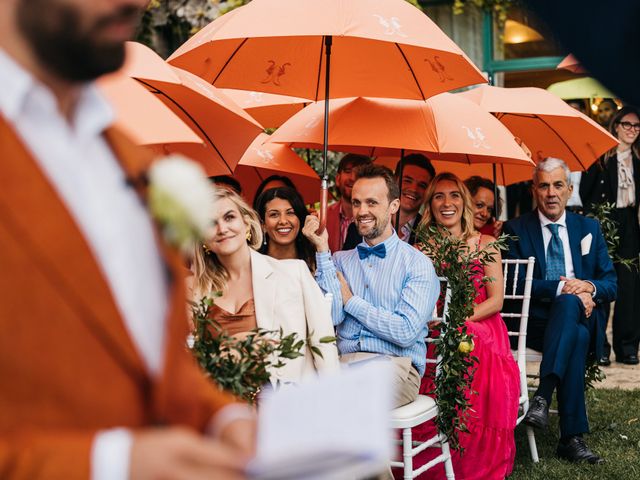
(407, 457)
(533, 448)
(448, 465)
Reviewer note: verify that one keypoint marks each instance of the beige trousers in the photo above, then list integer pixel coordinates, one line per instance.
(406, 380)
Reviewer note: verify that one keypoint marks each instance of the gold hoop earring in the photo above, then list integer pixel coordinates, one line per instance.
(248, 236)
(205, 248)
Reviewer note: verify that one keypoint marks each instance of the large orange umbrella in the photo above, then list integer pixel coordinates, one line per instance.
(445, 127)
(546, 124)
(572, 64)
(225, 128)
(269, 109)
(262, 160)
(143, 117)
(319, 49)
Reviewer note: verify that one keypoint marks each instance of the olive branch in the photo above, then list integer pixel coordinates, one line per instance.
(453, 259)
(243, 365)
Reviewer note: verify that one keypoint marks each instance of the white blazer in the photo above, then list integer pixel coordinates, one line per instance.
(286, 295)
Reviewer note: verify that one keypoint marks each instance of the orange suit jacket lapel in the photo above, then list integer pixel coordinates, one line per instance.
(33, 209)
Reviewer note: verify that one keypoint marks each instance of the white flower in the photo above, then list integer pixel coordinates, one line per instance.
(181, 199)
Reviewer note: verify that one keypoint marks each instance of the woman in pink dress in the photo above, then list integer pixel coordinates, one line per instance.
(489, 447)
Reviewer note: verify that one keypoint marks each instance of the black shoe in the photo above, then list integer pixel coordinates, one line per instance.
(604, 361)
(628, 360)
(575, 450)
(538, 414)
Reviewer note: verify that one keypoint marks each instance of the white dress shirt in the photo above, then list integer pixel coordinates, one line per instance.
(80, 165)
(564, 238)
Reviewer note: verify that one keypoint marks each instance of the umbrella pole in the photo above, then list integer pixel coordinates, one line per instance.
(324, 187)
(495, 192)
(399, 175)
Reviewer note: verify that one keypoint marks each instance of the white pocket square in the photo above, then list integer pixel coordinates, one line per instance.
(585, 244)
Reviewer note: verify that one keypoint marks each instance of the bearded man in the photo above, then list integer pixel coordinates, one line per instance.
(95, 378)
(384, 291)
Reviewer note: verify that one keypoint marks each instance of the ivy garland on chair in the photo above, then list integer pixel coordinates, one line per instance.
(453, 259)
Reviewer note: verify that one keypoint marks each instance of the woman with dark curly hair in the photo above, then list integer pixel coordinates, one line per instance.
(282, 214)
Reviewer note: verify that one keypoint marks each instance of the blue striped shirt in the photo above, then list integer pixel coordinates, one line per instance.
(393, 298)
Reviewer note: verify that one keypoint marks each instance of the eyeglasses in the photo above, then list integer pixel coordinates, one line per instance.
(628, 126)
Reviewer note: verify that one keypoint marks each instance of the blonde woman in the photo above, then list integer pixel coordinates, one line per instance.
(489, 447)
(260, 291)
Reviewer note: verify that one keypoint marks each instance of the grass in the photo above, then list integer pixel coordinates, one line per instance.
(614, 417)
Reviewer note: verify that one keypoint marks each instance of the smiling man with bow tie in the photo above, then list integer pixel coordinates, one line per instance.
(383, 291)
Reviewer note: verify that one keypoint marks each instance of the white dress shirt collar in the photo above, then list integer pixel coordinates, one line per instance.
(20, 92)
(544, 221)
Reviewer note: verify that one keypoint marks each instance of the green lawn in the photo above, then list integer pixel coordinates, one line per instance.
(614, 417)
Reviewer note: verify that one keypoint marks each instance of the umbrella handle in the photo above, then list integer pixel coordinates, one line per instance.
(324, 199)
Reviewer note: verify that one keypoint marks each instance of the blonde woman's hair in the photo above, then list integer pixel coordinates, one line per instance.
(209, 275)
(467, 213)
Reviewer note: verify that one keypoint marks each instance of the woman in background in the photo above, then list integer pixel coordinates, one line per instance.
(615, 178)
(482, 193)
(489, 447)
(256, 290)
(283, 213)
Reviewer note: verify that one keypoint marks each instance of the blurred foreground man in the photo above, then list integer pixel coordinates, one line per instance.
(95, 380)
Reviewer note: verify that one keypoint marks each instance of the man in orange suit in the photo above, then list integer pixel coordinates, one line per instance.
(95, 381)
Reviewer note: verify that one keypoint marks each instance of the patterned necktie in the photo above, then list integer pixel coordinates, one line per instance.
(379, 251)
(555, 255)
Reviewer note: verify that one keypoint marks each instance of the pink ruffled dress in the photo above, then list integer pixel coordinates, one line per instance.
(489, 447)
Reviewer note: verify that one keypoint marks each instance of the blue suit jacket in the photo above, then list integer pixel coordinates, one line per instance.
(595, 266)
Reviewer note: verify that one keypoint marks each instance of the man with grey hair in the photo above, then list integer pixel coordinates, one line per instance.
(573, 280)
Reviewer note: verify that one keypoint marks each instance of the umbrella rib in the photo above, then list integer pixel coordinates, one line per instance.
(228, 60)
(556, 134)
(320, 69)
(411, 70)
(200, 129)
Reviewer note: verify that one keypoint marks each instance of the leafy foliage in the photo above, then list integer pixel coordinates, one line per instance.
(454, 260)
(242, 366)
(500, 8)
(609, 227)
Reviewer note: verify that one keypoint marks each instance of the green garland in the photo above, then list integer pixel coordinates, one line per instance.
(500, 8)
(242, 365)
(453, 259)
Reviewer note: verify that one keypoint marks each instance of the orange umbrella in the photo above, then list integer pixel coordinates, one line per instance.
(445, 127)
(572, 64)
(142, 116)
(546, 124)
(263, 160)
(385, 48)
(269, 109)
(225, 128)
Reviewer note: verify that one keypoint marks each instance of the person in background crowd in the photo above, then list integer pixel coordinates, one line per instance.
(383, 291)
(615, 178)
(339, 215)
(270, 182)
(484, 218)
(579, 104)
(606, 110)
(519, 199)
(489, 448)
(573, 279)
(98, 382)
(417, 172)
(227, 181)
(260, 291)
(282, 213)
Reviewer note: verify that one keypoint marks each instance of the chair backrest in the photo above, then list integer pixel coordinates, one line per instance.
(444, 283)
(513, 271)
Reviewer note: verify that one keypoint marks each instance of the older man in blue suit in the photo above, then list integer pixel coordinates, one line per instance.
(573, 279)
